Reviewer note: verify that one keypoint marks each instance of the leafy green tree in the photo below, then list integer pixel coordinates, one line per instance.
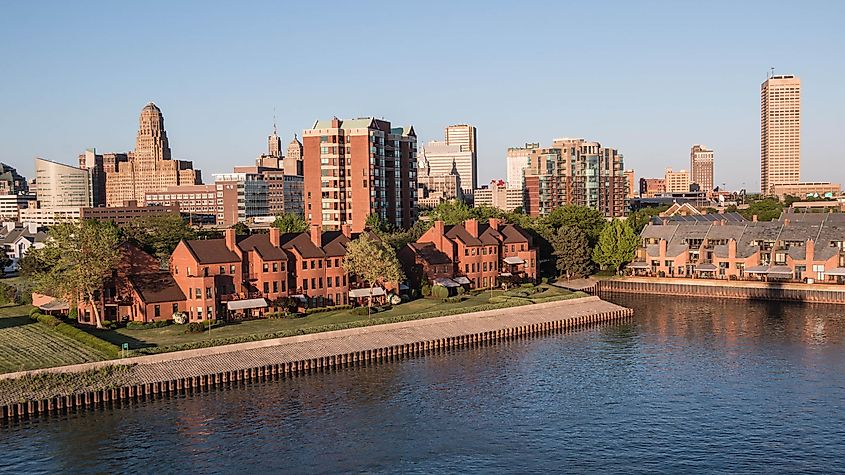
(766, 209)
(241, 229)
(640, 218)
(159, 234)
(372, 261)
(375, 223)
(5, 261)
(290, 223)
(617, 245)
(75, 261)
(587, 219)
(572, 251)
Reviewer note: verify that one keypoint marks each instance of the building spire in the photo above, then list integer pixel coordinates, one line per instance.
(274, 121)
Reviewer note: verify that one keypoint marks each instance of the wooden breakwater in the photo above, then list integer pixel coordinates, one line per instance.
(787, 292)
(189, 371)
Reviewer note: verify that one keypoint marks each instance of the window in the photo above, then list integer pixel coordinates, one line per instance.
(199, 293)
(313, 283)
(304, 265)
(265, 267)
(337, 281)
(275, 267)
(157, 310)
(320, 283)
(328, 263)
(266, 287)
(304, 284)
(222, 270)
(175, 307)
(208, 292)
(320, 264)
(312, 264)
(210, 313)
(329, 282)
(232, 269)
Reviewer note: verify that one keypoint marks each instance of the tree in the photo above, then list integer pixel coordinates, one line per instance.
(585, 218)
(241, 229)
(640, 218)
(372, 261)
(290, 223)
(5, 261)
(617, 245)
(375, 223)
(75, 261)
(572, 251)
(766, 209)
(159, 234)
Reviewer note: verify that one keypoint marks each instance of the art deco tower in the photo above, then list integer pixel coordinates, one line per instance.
(151, 145)
(780, 132)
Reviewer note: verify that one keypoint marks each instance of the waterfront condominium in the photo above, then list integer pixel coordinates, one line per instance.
(575, 171)
(150, 168)
(780, 132)
(358, 167)
(517, 159)
(458, 148)
(701, 167)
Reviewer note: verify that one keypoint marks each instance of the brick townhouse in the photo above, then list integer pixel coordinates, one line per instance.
(471, 254)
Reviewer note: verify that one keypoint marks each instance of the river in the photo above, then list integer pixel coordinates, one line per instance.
(687, 385)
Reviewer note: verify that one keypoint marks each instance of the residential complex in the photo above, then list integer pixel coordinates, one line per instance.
(798, 247)
(701, 167)
(517, 160)
(780, 132)
(358, 167)
(458, 150)
(575, 171)
(498, 195)
(150, 168)
(630, 184)
(471, 254)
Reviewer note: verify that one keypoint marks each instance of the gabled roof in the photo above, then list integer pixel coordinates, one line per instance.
(156, 287)
(429, 253)
(458, 231)
(303, 245)
(334, 243)
(513, 233)
(260, 243)
(488, 235)
(211, 251)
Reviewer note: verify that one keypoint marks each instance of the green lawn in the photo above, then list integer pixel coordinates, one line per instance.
(25, 344)
(175, 334)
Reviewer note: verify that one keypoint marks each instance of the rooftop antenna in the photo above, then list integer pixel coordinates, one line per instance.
(772, 69)
(274, 120)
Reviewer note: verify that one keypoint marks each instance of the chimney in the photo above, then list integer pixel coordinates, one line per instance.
(662, 247)
(438, 226)
(471, 226)
(346, 229)
(275, 236)
(786, 221)
(732, 248)
(754, 219)
(316, 235)
(231, 243)
(32, 227)
(723, 222)
(494, 223)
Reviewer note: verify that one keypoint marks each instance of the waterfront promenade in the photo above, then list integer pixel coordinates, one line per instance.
(209, 367)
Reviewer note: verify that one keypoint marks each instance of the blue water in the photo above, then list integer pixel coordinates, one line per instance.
(687, 386)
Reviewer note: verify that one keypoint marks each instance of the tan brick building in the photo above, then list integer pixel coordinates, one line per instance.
(780, 132)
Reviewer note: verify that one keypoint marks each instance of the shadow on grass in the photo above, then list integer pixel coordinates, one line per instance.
(115, 338)
(12, 322)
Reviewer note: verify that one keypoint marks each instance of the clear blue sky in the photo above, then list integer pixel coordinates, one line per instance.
(648, 78)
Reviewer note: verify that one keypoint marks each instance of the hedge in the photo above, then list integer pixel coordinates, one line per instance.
(149, 325)
(314, 310)
(343, 326)
(70, 331)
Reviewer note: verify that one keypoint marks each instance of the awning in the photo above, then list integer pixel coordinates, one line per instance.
(705, 268)
(638, 265)
(246, 304)
(403, 287)
(55, 305)
(505, 274)
(364, 293)
(446, 282)
(300, 297)
(513, 260)
(835, 271)
(780, 270)
(757, 270)
(461, 280)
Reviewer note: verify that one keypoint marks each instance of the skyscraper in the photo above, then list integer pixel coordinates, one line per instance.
(780, 132)
(293, 160)
(701, 167)
(460, 148)
(150, 168)
(61, 186)
(358, 167)
(517, 160)
(676, 181)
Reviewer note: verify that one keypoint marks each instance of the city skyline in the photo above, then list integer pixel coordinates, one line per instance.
(223, 117)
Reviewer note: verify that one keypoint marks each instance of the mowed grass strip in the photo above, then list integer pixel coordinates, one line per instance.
(25, 344)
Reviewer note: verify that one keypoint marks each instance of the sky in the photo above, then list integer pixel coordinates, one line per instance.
(647, 78)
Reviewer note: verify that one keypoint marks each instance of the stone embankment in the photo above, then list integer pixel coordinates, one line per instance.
(788, 292)
(125, 380)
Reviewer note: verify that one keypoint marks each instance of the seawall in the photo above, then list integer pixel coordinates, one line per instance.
(789, 292)
(188, 371)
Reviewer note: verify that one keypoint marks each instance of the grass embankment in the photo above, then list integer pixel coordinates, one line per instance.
(26, 344)
(175, 337)
(48, 385)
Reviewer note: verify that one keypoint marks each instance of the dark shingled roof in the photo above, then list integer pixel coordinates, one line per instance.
(488, 235)
(513, 233)
(260, 243)
(156, 287)
(429, 253)
(303, 245)
(457, 231)
(334, 243)
(211, 251)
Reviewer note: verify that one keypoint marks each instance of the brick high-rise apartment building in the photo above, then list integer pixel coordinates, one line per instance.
(701, 167)
(780, 132)
(354, 168)
(150, 168)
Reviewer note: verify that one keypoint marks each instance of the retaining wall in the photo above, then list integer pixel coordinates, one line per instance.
(808, 293)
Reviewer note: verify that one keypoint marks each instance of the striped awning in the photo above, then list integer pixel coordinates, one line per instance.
(246, 304)
(836, 271)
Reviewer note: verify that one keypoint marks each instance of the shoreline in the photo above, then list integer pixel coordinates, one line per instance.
(142, 377)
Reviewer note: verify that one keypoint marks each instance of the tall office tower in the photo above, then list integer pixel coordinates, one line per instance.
(241, 195)
(676, 181)
(517, 159)
(548, 179)
(701, 167)
(61, 186)
(293, 160)
(99, 166)
(358, 167)
(780, 132)
(274, 144)
(631, 191)
(460, 148)
(150, 168)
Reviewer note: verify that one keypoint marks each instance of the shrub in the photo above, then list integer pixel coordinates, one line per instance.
(527, 286)
(364, 310)
(406, 298)
(426, 290)
(146, 326)
(455, 299)
(460, 290)
(314, 310)
(544, 280)
(439, 292)
(81, 336)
